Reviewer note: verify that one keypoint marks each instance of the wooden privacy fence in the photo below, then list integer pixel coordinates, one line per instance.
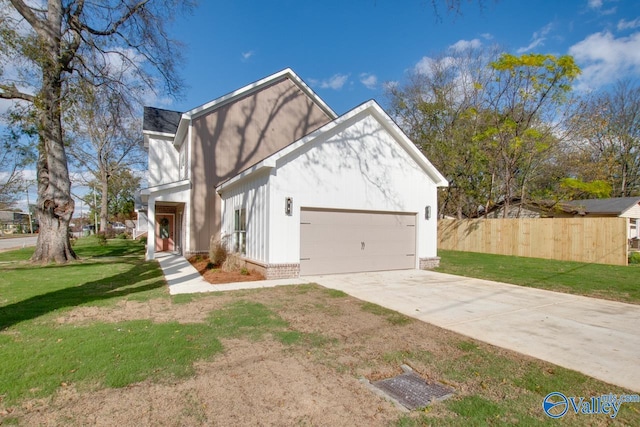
(597, 240)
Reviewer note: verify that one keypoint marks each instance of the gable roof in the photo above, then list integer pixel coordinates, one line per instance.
(249, 89)
(370, 107)
(616, 205)
(160, 120)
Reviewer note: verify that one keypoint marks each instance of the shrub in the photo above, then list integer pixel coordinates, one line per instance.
(233, 263)
(122, 236)
(634, 258)
(143, 240)
(218, 251)
(102, 238)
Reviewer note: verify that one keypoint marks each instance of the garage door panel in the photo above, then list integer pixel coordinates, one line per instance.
(348, 241)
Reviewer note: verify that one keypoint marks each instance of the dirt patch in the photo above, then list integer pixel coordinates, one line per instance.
(251, 384)
(156, 310)
(219, 275)
(260, 382)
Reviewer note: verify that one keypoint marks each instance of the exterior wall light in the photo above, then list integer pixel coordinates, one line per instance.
(288, 206)
(427, 212)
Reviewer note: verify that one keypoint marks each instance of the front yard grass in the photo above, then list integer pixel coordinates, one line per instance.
(101, 340)
(618, 283)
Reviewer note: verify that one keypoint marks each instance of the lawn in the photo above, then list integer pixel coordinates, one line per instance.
(101, 342)
(618, 283)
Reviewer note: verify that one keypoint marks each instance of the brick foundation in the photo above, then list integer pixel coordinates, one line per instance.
(429, 263)
(282, 271)
(274, 271)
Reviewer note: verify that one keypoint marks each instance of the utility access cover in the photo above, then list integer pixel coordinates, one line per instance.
(412, 391)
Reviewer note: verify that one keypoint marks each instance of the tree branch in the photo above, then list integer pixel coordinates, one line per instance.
(116, 25)
(12, 92)
(27, 13)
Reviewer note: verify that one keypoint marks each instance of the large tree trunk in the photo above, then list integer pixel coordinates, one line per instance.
(55, 205)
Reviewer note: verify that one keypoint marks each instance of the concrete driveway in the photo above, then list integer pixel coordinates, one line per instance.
(596, 337)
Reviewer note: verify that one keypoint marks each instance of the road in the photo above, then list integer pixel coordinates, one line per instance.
(17, 242)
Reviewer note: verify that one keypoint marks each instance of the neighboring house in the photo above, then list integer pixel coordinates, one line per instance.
(518, 209)
(11, 222)
(287, 184)
(623, 207)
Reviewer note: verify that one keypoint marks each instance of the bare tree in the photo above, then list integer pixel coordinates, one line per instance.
(11, 177)
(57, 45)
(15, 155)
(607, 140)
(106, 140)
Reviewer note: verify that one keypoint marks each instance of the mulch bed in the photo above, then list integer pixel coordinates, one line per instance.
(219, 276)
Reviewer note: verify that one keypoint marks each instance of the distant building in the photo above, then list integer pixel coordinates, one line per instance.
(14, 222)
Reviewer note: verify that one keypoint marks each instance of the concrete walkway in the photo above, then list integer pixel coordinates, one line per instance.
(183, 278)
(596, 337)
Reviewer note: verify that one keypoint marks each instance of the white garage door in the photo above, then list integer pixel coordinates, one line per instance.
(336, 241)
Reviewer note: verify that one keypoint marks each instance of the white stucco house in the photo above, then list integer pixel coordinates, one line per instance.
(291, 187)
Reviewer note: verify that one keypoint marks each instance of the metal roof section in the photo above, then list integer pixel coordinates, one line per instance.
(160, 121)
(615, 205)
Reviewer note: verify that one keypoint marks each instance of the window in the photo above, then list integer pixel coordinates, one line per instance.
(240, 231)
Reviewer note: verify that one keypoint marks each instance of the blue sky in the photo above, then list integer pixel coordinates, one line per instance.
(347, 50)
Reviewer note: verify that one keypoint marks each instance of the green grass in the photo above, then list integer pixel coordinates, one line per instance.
(244, 318)
(617, 283)
(39, 355)
(335, 293)
(254, 320)
(16, 255)
(392, 317)
(38, 360)
(103, 275)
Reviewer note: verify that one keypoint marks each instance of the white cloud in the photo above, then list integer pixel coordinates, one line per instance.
(335, 82)
(462, 45)
(598, 4)
(247, 55)
(487, 36)
(537, 39)
(369, 80)
(604, 58)
(623, 24)
(424, 66)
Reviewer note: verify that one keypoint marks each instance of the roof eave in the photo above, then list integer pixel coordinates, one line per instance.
(183, 127)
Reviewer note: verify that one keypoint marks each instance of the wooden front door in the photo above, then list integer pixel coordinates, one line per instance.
(164, 232)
